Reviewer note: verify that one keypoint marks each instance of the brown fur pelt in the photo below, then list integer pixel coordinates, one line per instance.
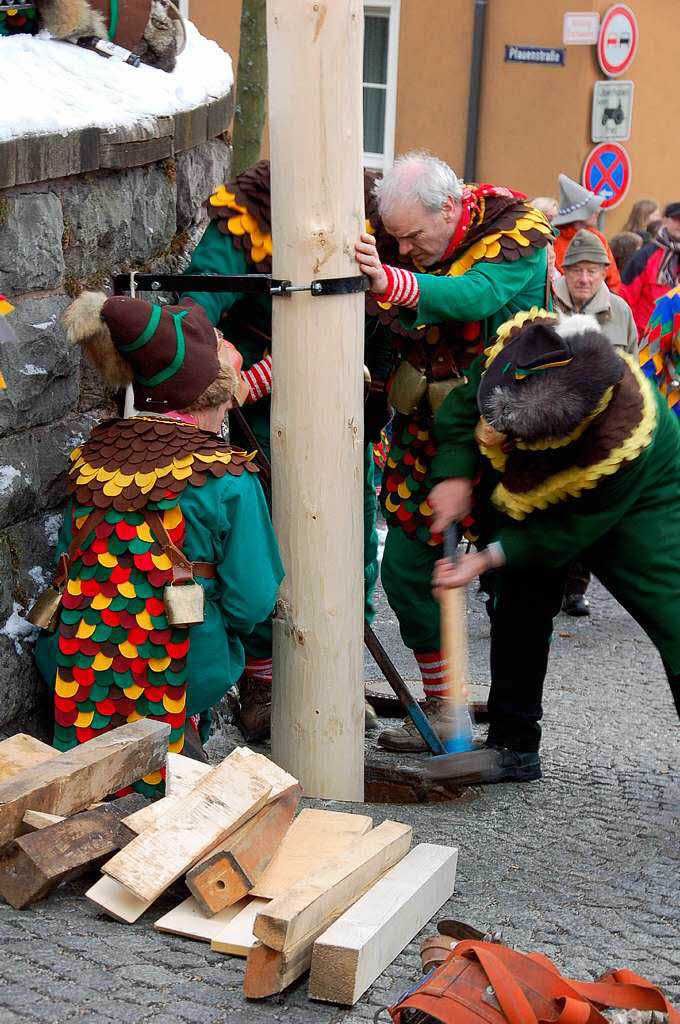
(85, 327)
(163, 39)
(223, 388)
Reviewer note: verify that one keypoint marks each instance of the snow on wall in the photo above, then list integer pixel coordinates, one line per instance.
(59, 88)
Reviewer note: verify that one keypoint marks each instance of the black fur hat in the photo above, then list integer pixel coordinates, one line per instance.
(548, 379)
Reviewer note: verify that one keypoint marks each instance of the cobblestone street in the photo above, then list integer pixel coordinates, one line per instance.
(582, 865)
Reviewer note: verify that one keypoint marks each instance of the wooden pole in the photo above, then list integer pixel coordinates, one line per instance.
(315, 116)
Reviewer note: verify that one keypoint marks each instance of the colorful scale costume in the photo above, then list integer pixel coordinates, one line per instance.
(494, 267)
(660, 348)
(118, 659)
(22, 18)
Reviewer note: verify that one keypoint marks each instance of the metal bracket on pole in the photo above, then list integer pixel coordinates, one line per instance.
(244, 284)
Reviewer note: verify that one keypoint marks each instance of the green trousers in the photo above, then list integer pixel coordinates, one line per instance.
(406, 574)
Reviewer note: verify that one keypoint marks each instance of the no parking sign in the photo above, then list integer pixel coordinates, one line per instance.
(607, 173)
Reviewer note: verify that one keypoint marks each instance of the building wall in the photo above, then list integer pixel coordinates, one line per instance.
(534, 119)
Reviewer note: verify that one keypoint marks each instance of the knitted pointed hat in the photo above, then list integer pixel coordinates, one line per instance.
(170, 354)
(576, 202)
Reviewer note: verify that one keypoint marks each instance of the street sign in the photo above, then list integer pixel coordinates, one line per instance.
(580, 28)
(618, 41)
(612, 111)
(607, 173)
(551, 55)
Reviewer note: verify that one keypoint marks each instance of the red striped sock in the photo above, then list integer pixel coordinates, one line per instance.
(402, 287)
(258, 379)
(259, 670)
(432, 665)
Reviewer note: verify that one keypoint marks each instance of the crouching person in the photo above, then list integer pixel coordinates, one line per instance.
(582, 460)
(167, 557)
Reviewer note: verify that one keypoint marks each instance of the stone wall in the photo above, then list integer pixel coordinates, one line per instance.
(57, 236)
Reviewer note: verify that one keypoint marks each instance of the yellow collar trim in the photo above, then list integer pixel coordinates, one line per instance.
(488, 247)
(243, 223)
(571, 483)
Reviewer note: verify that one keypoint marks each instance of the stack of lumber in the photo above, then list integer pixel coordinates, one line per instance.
(323, 890)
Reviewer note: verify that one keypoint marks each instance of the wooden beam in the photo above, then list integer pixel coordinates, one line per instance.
(314, 838)
(222, 801)
(17, 753)
(357, 948)
(315, 902)
(315, 74)
(33, 865)
(269, 971)
(188, 920)
(40, 819)
(237, 936)
(231, 870)
(77, 778)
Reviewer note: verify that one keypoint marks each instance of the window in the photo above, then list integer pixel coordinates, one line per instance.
(381, 45)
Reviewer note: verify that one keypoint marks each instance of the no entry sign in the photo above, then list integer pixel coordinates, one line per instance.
(607, 173)
(617, 44)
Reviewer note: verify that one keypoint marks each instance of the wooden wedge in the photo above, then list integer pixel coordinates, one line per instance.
(237, 936)
(17, 753)
(231, 870)
(188, 920)
(357, 948)
(73, 780)
(314, 838)
(220, 803)
(269, 971)
(33, 865)
(34, 820)
(315, 902)
(117, 901)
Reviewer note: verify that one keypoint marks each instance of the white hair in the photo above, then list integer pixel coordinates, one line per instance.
(417, 175)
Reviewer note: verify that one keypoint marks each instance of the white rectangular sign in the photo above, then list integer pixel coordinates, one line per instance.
(612, 111)
(580, 28)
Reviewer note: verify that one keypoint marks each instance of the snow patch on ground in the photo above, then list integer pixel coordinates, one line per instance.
(17, 628)
(8, 475)
(31, 370)
(52, 527)
(59, 87)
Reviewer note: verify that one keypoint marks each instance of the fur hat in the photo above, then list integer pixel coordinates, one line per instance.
(585, 247)
(547, 379)
(170, 354)
(576, 202)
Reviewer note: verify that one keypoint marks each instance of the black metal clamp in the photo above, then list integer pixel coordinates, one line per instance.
(244, 284)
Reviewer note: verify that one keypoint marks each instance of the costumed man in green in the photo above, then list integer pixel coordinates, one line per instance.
(155, 500)
(582, 461)
(238, 241)
(451, 263)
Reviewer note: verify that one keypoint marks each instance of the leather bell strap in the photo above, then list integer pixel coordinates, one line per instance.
(183, 571)
(91, 523)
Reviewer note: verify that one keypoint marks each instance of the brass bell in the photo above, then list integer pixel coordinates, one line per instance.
(45, 611)
(184, 603)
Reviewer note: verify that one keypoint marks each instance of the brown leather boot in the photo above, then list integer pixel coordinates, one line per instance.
(256, 709)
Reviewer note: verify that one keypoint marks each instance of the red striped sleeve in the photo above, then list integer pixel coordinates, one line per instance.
(402, 287)
(258, 379)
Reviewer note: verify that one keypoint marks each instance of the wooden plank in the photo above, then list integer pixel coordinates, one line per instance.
(17, 753)
(269, 971)
(33, 865)
(184, 778)
(117, 901)
(73, 780)
(40, 819)
(222, 801)
(188, 920)
(137, 144)
(191, 128)
(43, 157)
(237, 936)
(231, 870)
(316, 836)
(315, 902)
(219, 115)
(357, 948)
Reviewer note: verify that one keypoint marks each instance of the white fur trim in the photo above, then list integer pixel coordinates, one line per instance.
(579, 323)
